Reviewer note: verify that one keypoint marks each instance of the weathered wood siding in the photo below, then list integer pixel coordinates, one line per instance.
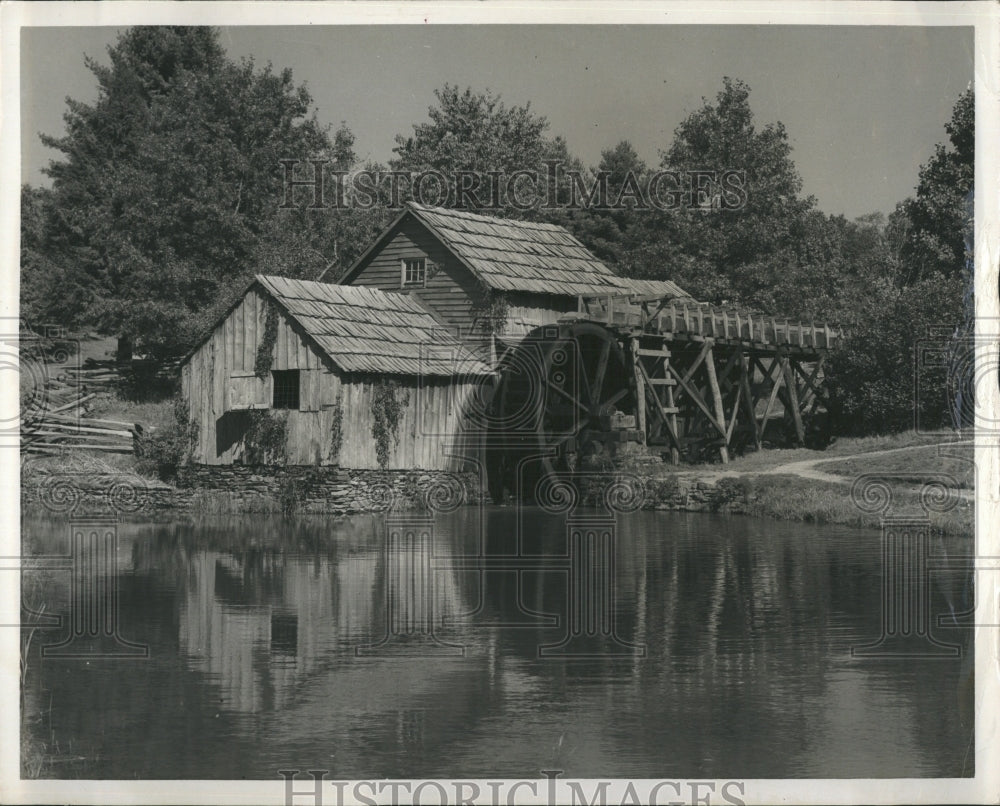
(430, 430)
(452, 292)
(527, 311)
(219, 384)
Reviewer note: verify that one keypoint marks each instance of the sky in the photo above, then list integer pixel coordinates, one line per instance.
(863, 106)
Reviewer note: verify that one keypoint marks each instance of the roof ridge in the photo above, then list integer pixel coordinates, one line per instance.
(485, 219)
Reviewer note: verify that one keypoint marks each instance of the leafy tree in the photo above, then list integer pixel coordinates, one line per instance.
(872, 376)
(937, 215)
(728, 254)
(167, 194)
(924, 291)
(48, 294)
(609, 225)
(476, 133)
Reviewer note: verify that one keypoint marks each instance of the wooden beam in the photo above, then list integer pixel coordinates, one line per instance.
(602, 368)
(667, 421)
(748, 400)
(736, 409)
(697, 399)
(776, 385)
(706, 348)
(675, 454)
(810, 379)
(640, 388)
(726, 370)
(791, 390)
(713, 384)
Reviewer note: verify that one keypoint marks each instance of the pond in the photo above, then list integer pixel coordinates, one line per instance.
(492, 642)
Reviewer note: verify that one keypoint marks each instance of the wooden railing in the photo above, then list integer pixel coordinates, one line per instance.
(701, 320)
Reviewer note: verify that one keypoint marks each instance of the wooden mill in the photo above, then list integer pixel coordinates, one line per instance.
(497, 344)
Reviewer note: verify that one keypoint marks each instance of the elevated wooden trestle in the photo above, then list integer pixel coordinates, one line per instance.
(686, 380)
(712, 376)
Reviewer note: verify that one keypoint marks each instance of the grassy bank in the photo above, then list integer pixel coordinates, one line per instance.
(815, 486)
(843, 447)
(956, 461)
(786, 497)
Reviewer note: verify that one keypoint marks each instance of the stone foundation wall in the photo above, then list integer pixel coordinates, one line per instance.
(694, 494)
(627, 491)
(309, 489)
(235, 489)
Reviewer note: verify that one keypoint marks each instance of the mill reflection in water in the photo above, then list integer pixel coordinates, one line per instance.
(330, 644)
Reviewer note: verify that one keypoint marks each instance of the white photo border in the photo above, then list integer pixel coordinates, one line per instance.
(984, 17)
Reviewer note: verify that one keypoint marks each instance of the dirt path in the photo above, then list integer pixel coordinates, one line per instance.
(806, 468)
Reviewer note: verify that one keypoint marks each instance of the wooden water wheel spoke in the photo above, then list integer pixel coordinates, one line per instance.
(614, 398)
(575, 401)
(602, 368)
(558, 441)
(582, 373)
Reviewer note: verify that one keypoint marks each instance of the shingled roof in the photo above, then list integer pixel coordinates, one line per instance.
(369, 330)
(510, 255)
(518, 255)
(653, 288)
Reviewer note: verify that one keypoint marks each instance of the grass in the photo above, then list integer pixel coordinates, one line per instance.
(845, 446)
(790, 497)
(157, 415)
(780, 496)
(796, 499)
(78, 463)
(956, 461)
(98, 348)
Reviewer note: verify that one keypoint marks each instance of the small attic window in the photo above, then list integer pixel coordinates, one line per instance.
(286, 389)
(414, 271)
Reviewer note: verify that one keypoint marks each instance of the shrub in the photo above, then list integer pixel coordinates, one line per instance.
(876, 380)
(164, 450)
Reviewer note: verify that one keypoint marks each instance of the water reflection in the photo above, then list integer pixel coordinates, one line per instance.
(331, 644)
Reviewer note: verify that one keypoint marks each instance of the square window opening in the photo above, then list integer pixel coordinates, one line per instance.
(286, 389)
(414, 271)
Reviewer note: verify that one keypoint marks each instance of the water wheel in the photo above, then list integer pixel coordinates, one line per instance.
(560, 398)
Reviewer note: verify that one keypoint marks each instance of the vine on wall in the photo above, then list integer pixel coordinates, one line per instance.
(265, 350)
(266, 438)
(492, 310)
(387, 413)
(336, 430)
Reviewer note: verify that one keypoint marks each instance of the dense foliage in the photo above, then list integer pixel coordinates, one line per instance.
(475, 134)
(265, 438)
(166, 198)
(166, 449)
